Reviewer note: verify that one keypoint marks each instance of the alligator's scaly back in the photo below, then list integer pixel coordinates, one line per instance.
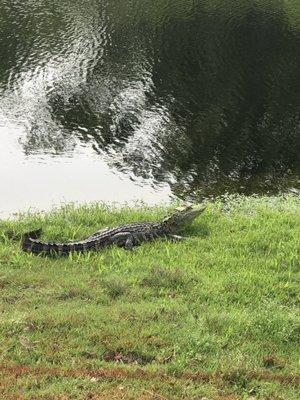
(127, 236)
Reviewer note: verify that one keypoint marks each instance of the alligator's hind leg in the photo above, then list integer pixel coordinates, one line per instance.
(129, 244)
(123, 239)
(127, 240)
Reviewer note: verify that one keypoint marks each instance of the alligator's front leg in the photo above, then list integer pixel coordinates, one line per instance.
(177, 238)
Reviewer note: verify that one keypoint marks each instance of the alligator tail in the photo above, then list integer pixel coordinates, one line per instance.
(31, 244)
(29, 238)
(34, 234)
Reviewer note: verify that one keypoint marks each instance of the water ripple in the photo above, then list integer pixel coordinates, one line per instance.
(201, 96)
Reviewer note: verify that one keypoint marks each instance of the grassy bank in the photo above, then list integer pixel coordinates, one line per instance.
(216, 316)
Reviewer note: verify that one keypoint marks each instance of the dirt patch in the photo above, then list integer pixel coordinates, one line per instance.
(8, 381)
(226, 397)
(128, 358)
(273, 362)
(141, 374)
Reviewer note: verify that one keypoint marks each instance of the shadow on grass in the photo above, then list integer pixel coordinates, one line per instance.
(200, 230)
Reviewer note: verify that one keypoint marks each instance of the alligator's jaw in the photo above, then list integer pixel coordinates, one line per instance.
(184, 215)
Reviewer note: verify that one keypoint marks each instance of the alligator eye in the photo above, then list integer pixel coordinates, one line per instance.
(184, 207)
(187, 205)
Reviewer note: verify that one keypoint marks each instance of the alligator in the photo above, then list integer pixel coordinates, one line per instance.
(126, 236)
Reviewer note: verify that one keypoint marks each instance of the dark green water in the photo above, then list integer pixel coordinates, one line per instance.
(120, 100)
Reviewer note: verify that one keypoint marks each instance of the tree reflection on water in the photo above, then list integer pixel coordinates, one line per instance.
(202, 95)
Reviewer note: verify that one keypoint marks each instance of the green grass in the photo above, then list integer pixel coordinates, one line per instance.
(215, 317)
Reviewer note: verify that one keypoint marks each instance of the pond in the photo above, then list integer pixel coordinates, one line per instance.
(147, 99)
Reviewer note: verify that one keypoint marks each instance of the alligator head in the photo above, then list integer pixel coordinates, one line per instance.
(183, 215)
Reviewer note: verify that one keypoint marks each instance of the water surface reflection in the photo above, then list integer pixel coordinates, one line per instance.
(183, 97)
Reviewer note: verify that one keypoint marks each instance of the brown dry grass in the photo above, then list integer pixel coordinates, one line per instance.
(15, 371)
